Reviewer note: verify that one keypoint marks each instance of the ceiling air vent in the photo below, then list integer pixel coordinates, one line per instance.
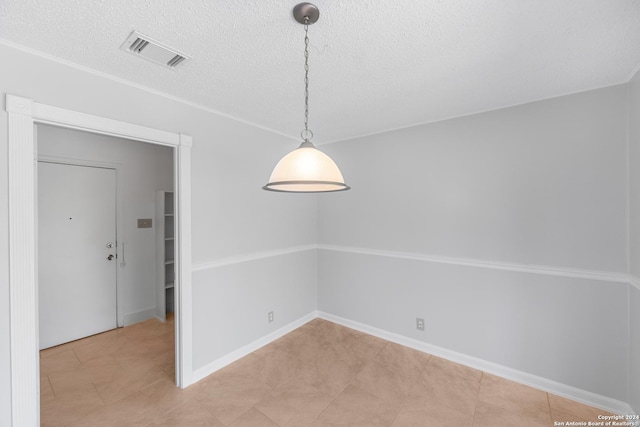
(147, 48)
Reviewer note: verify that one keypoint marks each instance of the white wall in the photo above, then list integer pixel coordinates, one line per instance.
(5, 355)
(634, 222)
(143, 169)
(247, 285)
(231, 214)
(541, 184)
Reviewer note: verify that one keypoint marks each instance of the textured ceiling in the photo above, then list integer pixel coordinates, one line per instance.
(375, 64)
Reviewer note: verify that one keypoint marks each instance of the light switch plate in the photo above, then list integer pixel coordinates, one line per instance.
(144, 222)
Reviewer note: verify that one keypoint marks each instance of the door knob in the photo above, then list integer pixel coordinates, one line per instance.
(110, 257)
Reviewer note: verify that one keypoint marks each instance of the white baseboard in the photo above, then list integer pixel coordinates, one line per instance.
(227, 359)
(139, 316)
(573, 393)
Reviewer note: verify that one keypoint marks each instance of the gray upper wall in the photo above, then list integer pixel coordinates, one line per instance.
(634, 240)
(633, 118)
(540, 184)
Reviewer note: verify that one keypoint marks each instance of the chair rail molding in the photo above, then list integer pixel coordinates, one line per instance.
(604, 276)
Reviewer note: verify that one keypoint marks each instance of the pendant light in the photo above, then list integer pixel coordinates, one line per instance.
(306, 169)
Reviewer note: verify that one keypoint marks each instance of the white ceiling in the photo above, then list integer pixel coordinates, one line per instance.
(375, 64)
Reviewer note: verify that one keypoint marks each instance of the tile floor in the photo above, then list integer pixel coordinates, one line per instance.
(321, 374)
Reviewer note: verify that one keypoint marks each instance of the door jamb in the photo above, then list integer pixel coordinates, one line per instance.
(22, 115)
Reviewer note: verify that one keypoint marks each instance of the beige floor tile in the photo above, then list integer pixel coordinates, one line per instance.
(489, 416)
(71, 382)
(139, 408)
(322, 373)
(357, 408)
(574, 408)
(293, 405)
(301, 345)
(139, 354)
(77, 378)
(253, 418)
(449, 385)
(230, 396)
(66, 409)
(366, 347)
(135, 351)
(57, 349)
(400, 356)
(170, 371)
(100, 347)
(274, 368)
(452, 371)
(163, 395)
(332, 332)
(390, 383)
(102, 369)
(110, 334)
(59, 362)
(148, 328)
(328, 374)
(97, 337)
(128, 381)
(238, 366)
(354, 350)
(189, 414)
(505, 394)
(156, 344)
(311, 326)
(428, 413)
(167, 362)
(263, 351)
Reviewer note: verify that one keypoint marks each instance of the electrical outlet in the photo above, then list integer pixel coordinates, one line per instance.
(270, 316)
(419, 324)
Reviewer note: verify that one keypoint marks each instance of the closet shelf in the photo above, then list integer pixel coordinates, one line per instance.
(165, 253)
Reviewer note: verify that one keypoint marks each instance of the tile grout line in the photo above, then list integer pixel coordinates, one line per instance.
(475, 410)
(51, 386)
(406, 398)
(168, 412)
(257, 409)
(98, 393)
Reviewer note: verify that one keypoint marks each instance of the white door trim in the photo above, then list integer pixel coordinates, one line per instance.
(119, 221)
(22, 115)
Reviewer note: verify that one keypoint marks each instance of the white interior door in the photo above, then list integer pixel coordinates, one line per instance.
(76, 266)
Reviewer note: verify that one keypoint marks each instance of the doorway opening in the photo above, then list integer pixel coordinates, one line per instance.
(99, 228)
(23, 115)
